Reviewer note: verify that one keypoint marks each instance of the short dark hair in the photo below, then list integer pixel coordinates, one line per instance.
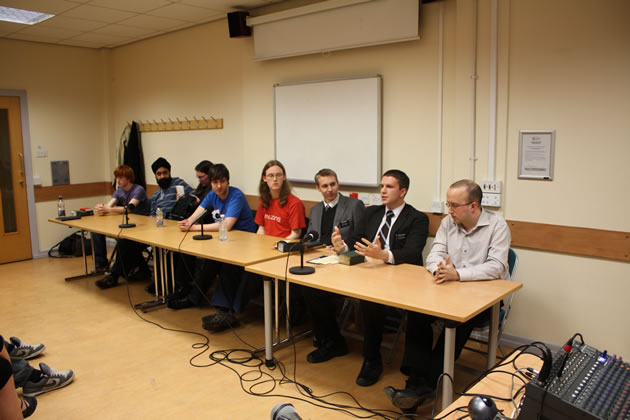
(204, 166)
(219, 171)
(401, 177)
(325, 172)
(472, 188)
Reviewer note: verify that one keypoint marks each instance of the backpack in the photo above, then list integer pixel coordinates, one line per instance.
(70, 246)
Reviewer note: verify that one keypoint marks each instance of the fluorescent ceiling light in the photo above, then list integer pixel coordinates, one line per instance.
(27, 17)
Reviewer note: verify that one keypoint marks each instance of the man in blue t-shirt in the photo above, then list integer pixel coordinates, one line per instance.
(232, 204)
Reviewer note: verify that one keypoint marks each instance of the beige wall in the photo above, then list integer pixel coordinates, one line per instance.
(65, 94)
(562, 65)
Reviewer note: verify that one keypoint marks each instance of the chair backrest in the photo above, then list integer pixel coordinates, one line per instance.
(512, 266)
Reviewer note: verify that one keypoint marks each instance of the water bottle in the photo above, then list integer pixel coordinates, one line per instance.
(159, 217)
(61, 207)
(223, 231)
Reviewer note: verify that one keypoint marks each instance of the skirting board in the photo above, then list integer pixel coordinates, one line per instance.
(514, 341)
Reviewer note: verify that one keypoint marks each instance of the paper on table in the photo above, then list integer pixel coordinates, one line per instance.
(330, 259)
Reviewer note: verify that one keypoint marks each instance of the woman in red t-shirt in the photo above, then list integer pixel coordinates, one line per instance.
(279, 212)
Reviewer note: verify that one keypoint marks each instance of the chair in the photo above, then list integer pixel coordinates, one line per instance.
(480, 333)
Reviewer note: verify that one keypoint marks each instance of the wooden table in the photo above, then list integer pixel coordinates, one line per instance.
(497, 384)
(407, 287)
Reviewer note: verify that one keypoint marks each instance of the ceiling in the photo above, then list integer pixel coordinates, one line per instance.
(111, 23)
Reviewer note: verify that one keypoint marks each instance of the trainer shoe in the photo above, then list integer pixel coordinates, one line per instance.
(220, 321)
(50, 380)
(25, 351)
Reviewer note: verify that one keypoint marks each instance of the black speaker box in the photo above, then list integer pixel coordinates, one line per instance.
(237, 24)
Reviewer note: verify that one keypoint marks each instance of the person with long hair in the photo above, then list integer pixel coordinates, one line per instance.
(279, 212)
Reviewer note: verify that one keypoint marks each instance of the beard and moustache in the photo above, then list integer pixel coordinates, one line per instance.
(164, 183)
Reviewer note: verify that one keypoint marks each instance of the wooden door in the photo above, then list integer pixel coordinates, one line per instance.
(15, 238)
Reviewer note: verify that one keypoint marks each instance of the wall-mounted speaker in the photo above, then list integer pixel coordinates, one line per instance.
(238, 25)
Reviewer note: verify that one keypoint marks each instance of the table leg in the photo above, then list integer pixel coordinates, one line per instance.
(449, 366)
(87, 274)
(172, 277)
(493, 335)
(268, 327)
(159, 301)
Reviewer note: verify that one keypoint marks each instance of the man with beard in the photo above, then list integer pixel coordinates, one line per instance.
(166, 197)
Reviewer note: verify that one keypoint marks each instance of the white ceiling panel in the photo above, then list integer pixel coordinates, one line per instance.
(63, 22)
(100, 14)
(110, 23)
(183, 12)
(136, 6)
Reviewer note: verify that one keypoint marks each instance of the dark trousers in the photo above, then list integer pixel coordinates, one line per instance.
(100, 249)
(323, 310)
(236, 287)
(128, 257)
(423, 363)
(374, 325)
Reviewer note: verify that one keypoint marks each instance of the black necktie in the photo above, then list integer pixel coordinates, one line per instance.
(385, 228)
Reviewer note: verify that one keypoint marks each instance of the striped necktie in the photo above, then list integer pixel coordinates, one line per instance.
(385, 228)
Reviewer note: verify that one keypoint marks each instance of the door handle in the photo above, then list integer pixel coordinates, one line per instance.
(21, 162)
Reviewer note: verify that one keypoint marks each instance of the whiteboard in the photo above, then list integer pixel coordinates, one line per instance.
(332, 124)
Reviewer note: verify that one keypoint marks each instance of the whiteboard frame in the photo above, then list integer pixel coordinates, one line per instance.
(373, 182)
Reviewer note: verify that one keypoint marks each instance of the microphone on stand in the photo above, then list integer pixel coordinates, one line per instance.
(128, 207)
(301, 270)
(200, 237)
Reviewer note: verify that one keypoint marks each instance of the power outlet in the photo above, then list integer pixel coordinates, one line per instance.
(491, 200)
(41, 152)
(493, 187)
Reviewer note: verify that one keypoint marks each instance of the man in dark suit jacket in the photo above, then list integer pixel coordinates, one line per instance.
(342, 216)
(395, 233)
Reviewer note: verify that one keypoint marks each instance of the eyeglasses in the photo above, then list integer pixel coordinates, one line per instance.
(455, 205)
(274, 176)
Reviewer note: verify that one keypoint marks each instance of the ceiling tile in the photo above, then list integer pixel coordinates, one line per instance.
(72, 23)
(183, 12)
(45, 6)
(77, 43)
(10, 27)
(137, 6)
(34, 37)
(125, 30)
(53, 33)
(152, 22)
(100, 14)
(100, 38)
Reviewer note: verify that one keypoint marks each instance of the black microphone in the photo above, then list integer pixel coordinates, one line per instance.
(309, 237)
(129, 207)
(201, 237)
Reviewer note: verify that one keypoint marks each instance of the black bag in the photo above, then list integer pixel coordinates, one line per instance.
(184, 208)
(71, 247)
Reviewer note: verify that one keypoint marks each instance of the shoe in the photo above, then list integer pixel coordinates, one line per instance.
(327, 351)
(150, 289)
(49, 381)
(180, 303)
(409, 398)
(370, 372)
(107, 282)
(25, 351)
(220, 321)
(101, 268)
(28, 405)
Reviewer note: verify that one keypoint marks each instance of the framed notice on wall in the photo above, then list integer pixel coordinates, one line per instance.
(535, 154)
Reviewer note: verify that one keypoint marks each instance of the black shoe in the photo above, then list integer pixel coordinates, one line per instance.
(141, 275)
(220, 321)
(28, 405)
(107, 282)
(101, 268)
(150, 289)
(370, 372)
(327, 351)
(180, 303)
(409, 398)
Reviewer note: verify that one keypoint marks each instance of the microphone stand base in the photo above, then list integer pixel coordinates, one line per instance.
(126, 225)
(202, 237)
(301, 270)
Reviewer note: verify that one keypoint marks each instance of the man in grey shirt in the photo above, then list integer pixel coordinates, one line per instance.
(471, 244)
